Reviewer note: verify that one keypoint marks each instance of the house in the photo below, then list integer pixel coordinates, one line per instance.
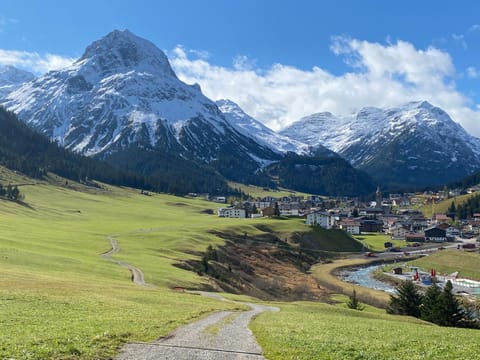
(441, 218)
(289, 212)
(415, 237)
(435, 234)
(368, 225)
(398, 231)
(350, 226)
(232, 212)
(322, 219)
(268, 211)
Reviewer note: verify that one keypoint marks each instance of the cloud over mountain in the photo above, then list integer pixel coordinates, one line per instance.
(379, 75)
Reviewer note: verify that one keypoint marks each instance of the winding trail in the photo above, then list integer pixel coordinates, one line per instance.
(137, 275)
(221, 336)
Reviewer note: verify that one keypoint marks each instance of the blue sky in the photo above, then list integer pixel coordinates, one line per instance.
(279, 60)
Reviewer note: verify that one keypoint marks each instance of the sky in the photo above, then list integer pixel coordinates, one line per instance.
(279, 60)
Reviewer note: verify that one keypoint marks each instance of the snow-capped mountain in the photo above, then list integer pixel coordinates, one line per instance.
(250, 127)
(413, 144)
(12, 78)
(122, 94)
(122, 102)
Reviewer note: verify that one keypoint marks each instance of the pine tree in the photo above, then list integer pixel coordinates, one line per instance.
(406, 302)
(452, 314)
(431, 307)
(354, 303)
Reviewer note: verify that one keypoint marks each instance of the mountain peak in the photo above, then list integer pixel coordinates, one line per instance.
(10, 75)
(123, 49)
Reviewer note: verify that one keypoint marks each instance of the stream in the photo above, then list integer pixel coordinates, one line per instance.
(362, 276)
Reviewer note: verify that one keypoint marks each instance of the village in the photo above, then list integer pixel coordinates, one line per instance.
(397, 215)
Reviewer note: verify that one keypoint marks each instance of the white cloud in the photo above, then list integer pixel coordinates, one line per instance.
(33, 61)
(475, 27)
(461, 40)
(473, 73)
(380, 75)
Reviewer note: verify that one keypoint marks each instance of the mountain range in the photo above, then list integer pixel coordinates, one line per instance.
(415, 144)
(122, 102)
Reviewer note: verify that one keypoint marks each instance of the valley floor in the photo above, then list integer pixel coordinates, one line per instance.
(61, 299)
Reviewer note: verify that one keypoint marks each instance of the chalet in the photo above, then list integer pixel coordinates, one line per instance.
(415, 237)
(398, 231)
(367, 225)
(350, 226)
(322, 219)
(435, 234)
(268, 211)
(441, 218)
(232, 212)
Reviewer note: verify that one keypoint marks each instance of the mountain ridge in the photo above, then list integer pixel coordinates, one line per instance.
(415, 144)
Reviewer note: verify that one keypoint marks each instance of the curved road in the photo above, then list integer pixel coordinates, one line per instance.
(137, 274)
(221, 336)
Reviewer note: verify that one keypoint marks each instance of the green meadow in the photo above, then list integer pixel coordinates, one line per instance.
(376, 241)
(302, 331)
(59, 299)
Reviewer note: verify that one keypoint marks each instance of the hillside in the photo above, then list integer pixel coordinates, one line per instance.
(31, 153)
(62, 300)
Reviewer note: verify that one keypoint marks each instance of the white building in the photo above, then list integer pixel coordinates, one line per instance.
(231, 212)
(289, 212)
(321, 219)
(350, 226)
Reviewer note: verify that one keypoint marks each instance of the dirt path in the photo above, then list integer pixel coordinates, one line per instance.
(221, 336)
(137, 274)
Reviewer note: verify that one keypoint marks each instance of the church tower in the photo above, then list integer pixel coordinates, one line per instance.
(378, 198)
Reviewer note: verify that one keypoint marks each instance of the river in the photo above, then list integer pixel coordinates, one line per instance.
(362, 276)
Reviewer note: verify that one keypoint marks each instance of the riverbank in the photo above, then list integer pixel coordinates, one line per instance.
(329, 274)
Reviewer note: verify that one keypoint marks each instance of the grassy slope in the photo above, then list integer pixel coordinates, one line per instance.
(320, 331)
(449, 261)
(442, 206)
(375, 242)
(60, 299)
(259, 192)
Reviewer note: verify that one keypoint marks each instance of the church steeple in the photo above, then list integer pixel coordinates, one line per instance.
(378, 198)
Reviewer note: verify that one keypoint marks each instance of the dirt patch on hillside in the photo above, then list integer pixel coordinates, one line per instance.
(262, 266)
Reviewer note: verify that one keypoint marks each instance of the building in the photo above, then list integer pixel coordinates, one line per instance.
(350, 226)
(398, 232)
(322, 219)
(232, 212)
(371, 225)
(435, 234)
(415, 237)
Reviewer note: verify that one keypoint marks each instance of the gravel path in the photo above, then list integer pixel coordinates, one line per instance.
(137, 274)
(222, 336)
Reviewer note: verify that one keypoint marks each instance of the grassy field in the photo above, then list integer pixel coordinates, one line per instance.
(375, 242)
(320, 331)
(442, 206)
(449, 261)
(60, 299)
(259, 192)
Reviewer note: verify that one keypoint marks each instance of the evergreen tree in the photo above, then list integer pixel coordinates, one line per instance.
(354, 303)
(431, 307)
(452, 209)
(407, 300)
(452, 314)
(355, 213)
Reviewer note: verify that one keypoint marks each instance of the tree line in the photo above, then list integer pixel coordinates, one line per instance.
(437, 306)
(31, 153)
